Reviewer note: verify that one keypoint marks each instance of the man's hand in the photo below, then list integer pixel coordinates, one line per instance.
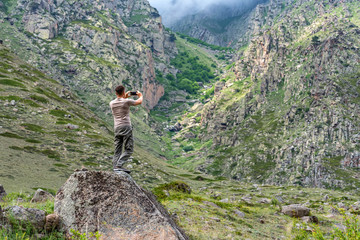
(139, 94)
(127, 94)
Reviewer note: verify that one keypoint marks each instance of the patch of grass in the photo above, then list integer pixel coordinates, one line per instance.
(12, 83)
(58, 113)
(32, 140)
(33, 127)
(11, 135)
(60, 165)
(39, 98)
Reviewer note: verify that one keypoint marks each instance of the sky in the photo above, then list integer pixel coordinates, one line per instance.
(173, 10)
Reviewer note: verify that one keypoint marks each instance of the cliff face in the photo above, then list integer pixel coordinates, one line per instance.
(289, 112)
(93, 46)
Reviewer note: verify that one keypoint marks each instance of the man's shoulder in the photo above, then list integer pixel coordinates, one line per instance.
(113, 101)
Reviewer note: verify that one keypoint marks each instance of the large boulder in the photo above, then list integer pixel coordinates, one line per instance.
(113, 205)
(2, 192)
(41, 196)
(295, 210)
(26, 216)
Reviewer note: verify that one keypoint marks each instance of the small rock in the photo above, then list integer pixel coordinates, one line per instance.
(215, 219)
(26, 216)
(51, 222)
(262, 221)
(215, 196)
(41, 196)
(279, 198)
(342, 205)
(12, 103)
(226, 200)
(2, 192)
(334, 211)
(295, 210)
(71, 126)
(340, 226)
(239, 213)
(326, 197)
(211, 204)
(264, 201)
(308, 229)
(15, 109)
(310, 219)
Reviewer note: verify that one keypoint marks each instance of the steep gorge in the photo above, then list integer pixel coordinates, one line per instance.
(286, 112)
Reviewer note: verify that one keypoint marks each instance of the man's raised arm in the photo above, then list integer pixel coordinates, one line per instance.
(140, 99)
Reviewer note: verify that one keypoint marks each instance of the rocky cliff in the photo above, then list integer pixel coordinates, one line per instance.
(93, 46)
(288, 111)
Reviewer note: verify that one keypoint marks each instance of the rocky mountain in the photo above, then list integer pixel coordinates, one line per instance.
(287, 109)
(92, 46)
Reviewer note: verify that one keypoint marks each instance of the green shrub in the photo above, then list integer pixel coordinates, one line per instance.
(188, 148)
(176, 186)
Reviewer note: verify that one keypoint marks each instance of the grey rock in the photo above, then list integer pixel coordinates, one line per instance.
(41, 196)
(295, 210)
(225, 200)
(115, 206)
(211, 204)
(239, 213)
(264, 201)
(334, 211)
(26, 216)
(310, 219)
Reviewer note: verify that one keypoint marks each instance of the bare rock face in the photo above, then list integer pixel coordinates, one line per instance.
(295, 210)
(41, 196)
(115, 206)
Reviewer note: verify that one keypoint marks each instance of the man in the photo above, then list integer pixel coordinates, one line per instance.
(120, 108)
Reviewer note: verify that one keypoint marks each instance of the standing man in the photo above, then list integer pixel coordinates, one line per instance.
(120, 108)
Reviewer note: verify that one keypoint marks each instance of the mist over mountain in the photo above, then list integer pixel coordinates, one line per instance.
(174, 10)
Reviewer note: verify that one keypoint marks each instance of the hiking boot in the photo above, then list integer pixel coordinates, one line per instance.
(122, 170)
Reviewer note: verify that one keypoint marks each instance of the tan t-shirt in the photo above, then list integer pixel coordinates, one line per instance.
(120, 108)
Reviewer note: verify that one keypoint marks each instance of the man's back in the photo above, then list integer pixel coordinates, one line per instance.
(120, 108)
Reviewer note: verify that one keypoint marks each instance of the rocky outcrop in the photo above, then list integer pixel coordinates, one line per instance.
(26, 216)
(41, 196)
(295, 210)
(113, 205)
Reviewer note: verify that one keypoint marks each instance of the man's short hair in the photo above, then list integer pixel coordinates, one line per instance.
(120, 90)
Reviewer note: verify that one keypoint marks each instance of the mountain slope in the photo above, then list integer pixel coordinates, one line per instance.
(286, 111)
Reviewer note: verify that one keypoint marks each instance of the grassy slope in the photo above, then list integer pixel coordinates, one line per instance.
(37, 148)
